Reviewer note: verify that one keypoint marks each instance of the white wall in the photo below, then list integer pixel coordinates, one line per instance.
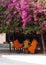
(2, 38)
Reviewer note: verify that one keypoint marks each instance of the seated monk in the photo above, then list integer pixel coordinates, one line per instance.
(33, 46)
(17, 44)
(26, 45)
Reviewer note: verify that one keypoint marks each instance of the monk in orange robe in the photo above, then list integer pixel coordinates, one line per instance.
(33, 46)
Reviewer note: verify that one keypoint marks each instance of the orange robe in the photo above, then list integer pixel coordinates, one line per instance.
(17, 44)
(33, 46)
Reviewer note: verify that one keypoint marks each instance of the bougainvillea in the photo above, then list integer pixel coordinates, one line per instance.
(24, 15)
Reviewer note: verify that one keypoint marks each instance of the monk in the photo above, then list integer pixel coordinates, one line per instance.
(17, 44)
(26, 45)
(33, 46)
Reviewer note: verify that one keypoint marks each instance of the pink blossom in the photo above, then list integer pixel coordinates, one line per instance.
(24, 5)
(28, 19)
(3, 5)
(17, 6)
(45, 7)
(40, 11)
(35, 17)
(16, 28)
(37, 32)
(44, 11)
(15, 12)
(24, 14)
(10, 6)
(14, 1)
(24, 25)
(9, 16)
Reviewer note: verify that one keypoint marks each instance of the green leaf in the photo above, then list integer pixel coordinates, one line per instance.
(0, 8)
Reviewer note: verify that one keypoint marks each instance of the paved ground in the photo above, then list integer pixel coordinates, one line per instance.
(5, 61)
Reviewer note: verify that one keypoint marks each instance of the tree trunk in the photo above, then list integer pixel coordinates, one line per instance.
(43, 43)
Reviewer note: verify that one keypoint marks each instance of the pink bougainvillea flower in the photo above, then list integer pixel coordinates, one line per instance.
(27, 11)
(4, 5)
(35, 17)
(45, 7)
(35, 12)
(13, 1)
(17, 6)
(14, 12)
(24, 25)
(37, 32)
(44, 11)
(28, 19)
(10, 6)
(7, 23)
(40, 10)
(29, 1)
(16, 28)
(24, 14)
(8, 16)
(24, 5)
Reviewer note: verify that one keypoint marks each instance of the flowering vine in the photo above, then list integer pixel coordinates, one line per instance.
(29, 15)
